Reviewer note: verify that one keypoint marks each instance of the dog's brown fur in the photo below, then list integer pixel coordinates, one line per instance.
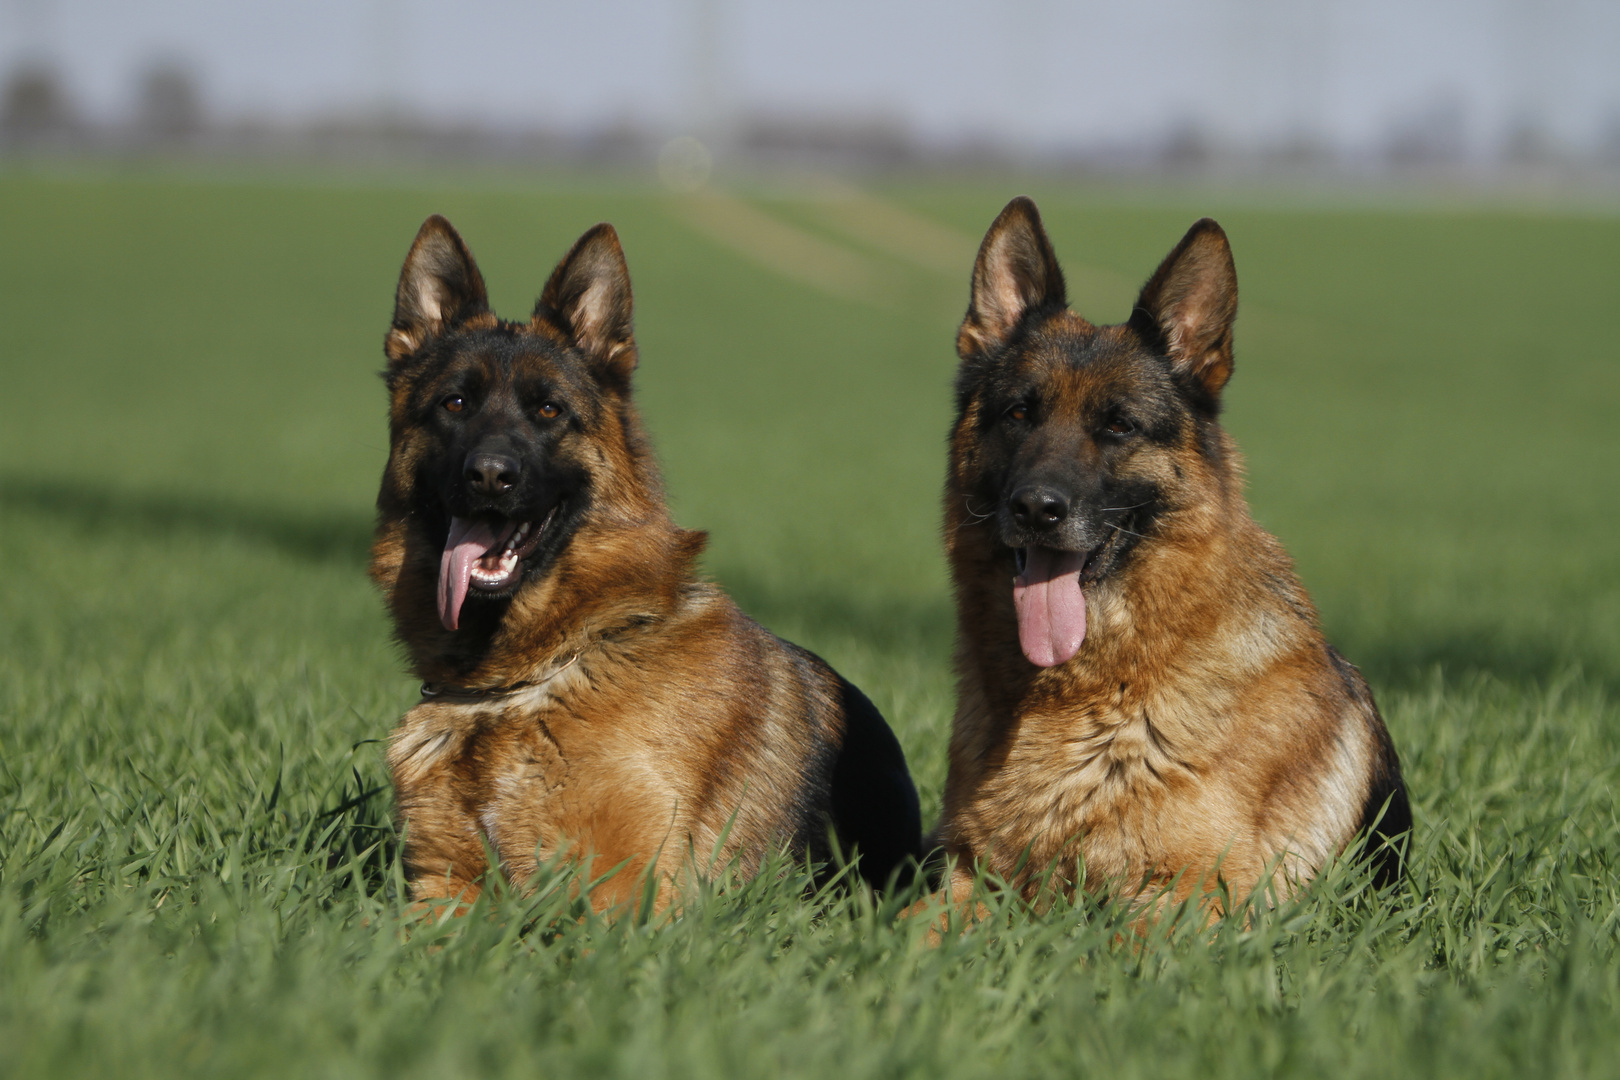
(1204, 733)
(612, 704)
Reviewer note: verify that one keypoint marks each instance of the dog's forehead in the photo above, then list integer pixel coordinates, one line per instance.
(1073, 363)
(514, 355)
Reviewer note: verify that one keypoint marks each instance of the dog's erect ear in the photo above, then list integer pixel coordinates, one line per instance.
(588, 298)
(439, 287)
(1016, 273)
(1189, 305)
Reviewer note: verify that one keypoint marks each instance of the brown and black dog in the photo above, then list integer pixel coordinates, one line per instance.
(1146, 702)
(584, 690)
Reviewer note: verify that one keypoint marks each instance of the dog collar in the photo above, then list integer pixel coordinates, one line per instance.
(462, 695)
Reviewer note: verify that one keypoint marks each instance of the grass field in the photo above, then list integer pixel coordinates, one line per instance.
(197, 871)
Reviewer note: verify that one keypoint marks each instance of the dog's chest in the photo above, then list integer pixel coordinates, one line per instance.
(1102, 750)
(520, 776)
(1117, 771)
(551, 778)
(533, 778)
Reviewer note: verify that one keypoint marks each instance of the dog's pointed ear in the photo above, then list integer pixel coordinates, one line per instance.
(439, 287)
(1016, 272)
(1189, 305)
(588, 299)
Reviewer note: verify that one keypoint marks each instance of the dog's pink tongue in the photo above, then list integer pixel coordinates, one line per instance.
(467, 543)
(1051, 605)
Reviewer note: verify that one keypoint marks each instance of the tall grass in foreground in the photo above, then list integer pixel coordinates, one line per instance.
(199, 877)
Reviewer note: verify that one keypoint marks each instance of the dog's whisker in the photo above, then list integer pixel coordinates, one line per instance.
(1126, 531)
(967, 503)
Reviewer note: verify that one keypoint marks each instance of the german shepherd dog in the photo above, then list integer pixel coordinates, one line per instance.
(584, 690)
(1147, 706)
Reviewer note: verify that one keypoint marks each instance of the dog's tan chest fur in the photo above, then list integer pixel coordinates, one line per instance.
(1095, 768)
(1142, 785)
(534, 777)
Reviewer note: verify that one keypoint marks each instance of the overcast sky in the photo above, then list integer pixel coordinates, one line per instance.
(1029, 74)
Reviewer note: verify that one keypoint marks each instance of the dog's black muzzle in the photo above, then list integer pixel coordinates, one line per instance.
(1043, 513)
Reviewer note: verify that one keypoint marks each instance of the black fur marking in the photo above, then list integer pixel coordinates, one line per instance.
(856, 793)
(874, 803)
(1386, 816)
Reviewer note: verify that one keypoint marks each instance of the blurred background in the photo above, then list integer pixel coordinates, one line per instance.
(204, 206)
(1468, 88)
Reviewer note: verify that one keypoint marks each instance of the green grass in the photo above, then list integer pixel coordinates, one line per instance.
(197, 872)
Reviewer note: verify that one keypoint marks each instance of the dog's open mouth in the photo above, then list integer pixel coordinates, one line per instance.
(1051, 602)
(485, 554)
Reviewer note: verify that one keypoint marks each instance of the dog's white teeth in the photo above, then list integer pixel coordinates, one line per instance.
(494, 575)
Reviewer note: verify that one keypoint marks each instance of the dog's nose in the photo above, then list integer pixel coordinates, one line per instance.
(1037, 506)
(491, 474)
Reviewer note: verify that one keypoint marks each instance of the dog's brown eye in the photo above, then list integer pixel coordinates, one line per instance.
(453, 404)
(550, 411)
(1018, 412)
(1121, 426)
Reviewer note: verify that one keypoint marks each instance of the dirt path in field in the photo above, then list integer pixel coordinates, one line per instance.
(866, 221)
